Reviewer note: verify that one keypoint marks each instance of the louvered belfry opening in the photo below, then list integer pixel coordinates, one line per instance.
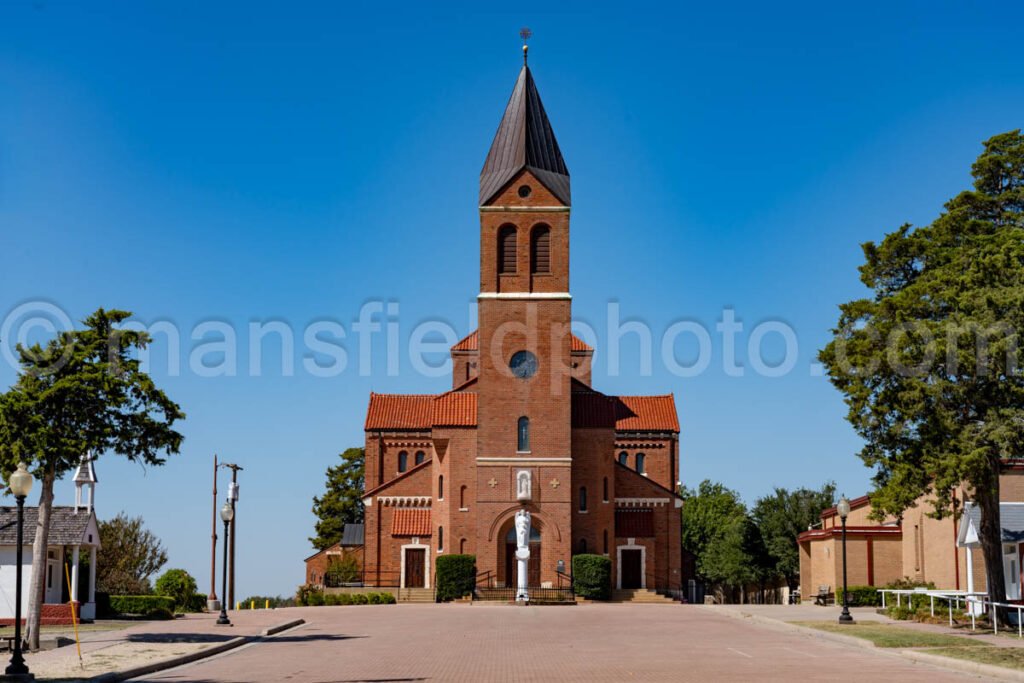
(507, 249)
(540, 250)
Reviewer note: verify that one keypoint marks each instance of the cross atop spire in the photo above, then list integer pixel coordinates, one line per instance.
(525, 140)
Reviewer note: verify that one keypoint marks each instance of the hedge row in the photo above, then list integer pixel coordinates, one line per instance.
(319, 599)
(861, 596)
(456, 576)
(592, 576)
(149, 606)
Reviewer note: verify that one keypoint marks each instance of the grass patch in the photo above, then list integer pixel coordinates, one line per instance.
(889, 635)
(1007, 657)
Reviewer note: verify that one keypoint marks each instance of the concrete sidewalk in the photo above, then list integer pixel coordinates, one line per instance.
(148, 642)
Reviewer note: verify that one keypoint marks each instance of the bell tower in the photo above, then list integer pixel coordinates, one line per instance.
(524, 391)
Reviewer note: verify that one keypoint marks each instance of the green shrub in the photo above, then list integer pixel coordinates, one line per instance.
(456, 576)
(861, 596)
(900, 613)
(262, 600)
(316, 599)
(907, 583)
(331, 600)
(360, 599)
(177, 584)
(592, 576)
(149, 606)
(303, 593)
(197, 604)
(342, 571)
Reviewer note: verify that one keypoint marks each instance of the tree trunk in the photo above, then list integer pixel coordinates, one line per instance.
(991, 537)
(37, 587)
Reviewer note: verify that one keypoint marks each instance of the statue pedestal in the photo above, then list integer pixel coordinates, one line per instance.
(523, 575)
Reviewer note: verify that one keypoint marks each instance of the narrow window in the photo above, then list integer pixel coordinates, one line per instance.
(440, 539)
(507, 249)
(640, 463)
(403, 461)
(583, 545)
(623, 458)
(583, 499)
(523, 444)
(540, 250)
(462, 497)
(420, 457)
(604, 537)
(462, 546)
(440, 487)
(604, 490)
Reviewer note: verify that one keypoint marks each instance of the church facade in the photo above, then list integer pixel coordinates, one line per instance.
(522, 426)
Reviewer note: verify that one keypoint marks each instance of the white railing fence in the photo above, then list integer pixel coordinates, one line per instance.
(976, 603)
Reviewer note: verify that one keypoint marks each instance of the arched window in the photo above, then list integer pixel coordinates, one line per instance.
(624, 458)
(440, 487)
(583, 545)
(583, 499)
(640, 463)
(440, 539)
(604, 490)
(523, 443)
(604, 537)
(403, 461)
(507, 249)
(540, 250)
(420, 457)
(462, 497)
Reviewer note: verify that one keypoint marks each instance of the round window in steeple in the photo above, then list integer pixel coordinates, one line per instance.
(523, 364)
(525, 191)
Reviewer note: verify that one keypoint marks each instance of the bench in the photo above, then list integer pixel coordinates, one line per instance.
(824, 596)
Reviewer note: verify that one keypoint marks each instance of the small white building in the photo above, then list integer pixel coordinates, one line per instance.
(73, 530)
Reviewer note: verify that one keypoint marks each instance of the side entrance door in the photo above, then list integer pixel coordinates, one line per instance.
(632, 569)
(415, 565)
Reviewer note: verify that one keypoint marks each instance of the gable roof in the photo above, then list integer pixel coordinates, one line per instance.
(525, 140)
(591, 409)
(1011, 520)
(471, 342)
(66, 526)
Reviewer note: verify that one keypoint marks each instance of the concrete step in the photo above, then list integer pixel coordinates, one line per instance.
(415, 595)
(641, 595)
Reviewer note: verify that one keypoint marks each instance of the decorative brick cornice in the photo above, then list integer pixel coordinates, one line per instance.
(642, 502)
(404, 501)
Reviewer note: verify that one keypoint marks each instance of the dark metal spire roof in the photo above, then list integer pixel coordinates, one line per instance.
(524, 140)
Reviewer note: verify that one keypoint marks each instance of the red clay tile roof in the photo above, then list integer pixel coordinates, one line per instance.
(455, 409)
(410, 522)
(646, 413)
(399, 411)
(472, 343)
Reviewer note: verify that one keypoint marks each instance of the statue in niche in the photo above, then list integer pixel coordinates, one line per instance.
(524, 488)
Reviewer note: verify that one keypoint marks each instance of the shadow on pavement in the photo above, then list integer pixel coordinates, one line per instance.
(179, 637)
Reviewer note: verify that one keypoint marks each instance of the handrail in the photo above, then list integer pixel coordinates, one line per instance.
(954, 597)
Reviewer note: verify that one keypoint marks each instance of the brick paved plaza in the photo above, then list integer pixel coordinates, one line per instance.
(587, 643)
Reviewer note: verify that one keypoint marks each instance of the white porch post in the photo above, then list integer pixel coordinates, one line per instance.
(74, 573)
(92, 574)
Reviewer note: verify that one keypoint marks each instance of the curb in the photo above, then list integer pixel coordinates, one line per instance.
(172, 662)
(950, 663)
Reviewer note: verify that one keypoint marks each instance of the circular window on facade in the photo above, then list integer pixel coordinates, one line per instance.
(523, 364)
(524, 191)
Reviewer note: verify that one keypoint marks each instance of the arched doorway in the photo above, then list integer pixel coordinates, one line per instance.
(512, 567)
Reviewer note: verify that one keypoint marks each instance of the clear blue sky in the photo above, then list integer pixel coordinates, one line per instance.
(290, 162)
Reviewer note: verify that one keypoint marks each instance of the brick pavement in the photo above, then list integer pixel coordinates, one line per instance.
(596, 643)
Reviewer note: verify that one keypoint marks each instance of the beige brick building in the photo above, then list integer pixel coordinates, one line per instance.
(915, 546)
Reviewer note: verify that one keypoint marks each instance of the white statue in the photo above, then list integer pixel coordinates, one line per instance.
(523, 486)
(522, 555)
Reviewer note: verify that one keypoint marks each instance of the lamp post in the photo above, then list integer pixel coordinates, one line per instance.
(226, 513)
(21, 484)
(843, 508)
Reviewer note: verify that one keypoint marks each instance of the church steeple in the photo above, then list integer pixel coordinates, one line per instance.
(525, 140)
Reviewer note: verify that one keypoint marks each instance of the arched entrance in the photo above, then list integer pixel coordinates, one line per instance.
(511, 567)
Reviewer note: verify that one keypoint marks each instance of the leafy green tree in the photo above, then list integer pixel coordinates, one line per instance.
(83, 392)
(342, 502)
(177, 584)
(345, 569)
(928, 363)
(129, 554)
(781, 517)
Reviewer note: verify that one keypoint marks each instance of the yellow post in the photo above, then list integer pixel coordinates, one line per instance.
(252, 604)
(74, 617)
(238, 606)
(267, 605)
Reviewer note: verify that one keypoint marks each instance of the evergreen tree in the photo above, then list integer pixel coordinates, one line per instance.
(342, 502)
(928, 363)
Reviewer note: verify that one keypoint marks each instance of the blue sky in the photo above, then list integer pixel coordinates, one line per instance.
(257, 162)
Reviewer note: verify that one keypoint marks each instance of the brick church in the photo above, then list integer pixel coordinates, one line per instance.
(446, 473)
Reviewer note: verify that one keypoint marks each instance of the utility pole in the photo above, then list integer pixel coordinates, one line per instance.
(233, 496)
(212, 597)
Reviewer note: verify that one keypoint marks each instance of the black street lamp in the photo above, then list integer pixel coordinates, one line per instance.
(21, 484)
(843, 508)
(226, 513)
